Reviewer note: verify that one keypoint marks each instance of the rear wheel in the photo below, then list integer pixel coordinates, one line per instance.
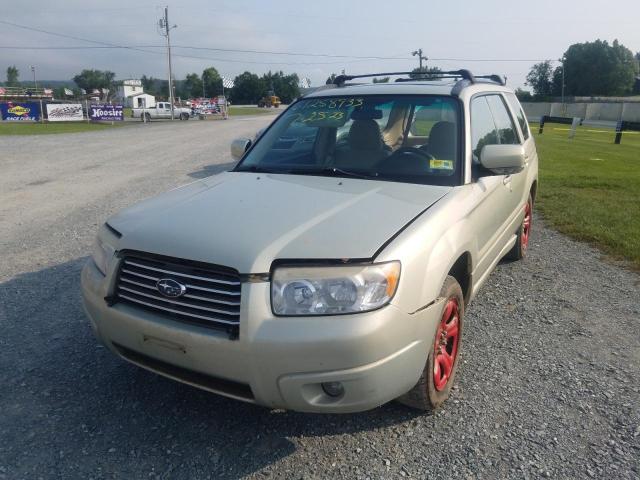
(437, 378)
(146, 117)
(184, 116)
(519, 250)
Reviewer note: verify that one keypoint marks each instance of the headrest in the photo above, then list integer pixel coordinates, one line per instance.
(365, 135)
(442, 140)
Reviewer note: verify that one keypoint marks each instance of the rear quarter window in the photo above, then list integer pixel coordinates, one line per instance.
(514, 103)
(504, 123)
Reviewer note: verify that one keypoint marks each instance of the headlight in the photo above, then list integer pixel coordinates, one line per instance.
(102, 255)
(333, 290)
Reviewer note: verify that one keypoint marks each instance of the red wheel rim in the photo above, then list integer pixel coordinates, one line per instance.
(446, 344)
(526, 226)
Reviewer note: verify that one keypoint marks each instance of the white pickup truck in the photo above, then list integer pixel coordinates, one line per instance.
(161, 110)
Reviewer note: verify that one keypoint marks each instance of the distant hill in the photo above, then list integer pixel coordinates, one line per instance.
(47, 83)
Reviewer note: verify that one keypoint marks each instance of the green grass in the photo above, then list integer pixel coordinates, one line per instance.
(589, 187)
(251, 110)
(29, 128)
(422, 128)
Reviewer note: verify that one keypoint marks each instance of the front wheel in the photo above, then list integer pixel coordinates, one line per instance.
(519, 250)
(435, 382)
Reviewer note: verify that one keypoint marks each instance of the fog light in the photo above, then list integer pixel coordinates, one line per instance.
(333, 389)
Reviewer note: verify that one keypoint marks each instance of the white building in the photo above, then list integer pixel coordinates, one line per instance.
(140, 100)
(131, 94)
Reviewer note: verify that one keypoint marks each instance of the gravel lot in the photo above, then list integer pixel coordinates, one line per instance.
(549, 386)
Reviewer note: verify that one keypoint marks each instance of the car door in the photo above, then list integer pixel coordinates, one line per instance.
(493, 195)
(521, 186)
(165, 111)
(509, 135)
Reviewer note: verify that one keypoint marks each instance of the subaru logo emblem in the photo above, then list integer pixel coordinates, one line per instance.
(170, 288)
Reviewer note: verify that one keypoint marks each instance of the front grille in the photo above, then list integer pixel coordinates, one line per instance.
(211, 299)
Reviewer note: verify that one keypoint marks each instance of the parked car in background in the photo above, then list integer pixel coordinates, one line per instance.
(160, 110)
(331, 269)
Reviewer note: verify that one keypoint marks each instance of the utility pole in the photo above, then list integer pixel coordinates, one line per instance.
(164, 24)
(418, 53)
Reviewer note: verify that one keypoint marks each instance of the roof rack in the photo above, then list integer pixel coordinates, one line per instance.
(461, 74)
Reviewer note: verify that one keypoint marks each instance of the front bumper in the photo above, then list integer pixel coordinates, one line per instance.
(278, 362)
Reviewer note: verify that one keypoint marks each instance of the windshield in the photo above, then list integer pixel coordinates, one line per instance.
(386, 137)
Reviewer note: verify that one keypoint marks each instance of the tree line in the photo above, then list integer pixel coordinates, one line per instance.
(590, 69)
(248, 87)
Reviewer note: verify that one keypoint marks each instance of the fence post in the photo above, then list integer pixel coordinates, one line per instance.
(619, 129)
(574, 125)
(542, 120)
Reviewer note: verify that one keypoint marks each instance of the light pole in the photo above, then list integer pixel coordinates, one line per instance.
(561, 60)
(35, 83)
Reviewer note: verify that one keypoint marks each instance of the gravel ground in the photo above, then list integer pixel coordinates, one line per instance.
(549, 385)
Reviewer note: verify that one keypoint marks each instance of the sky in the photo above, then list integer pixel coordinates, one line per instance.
(312, 39)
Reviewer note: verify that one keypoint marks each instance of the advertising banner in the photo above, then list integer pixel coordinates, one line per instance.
(110, 113)
(20, 111)
(64, 112)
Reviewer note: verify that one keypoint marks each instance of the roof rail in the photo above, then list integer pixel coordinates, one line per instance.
(463, 74)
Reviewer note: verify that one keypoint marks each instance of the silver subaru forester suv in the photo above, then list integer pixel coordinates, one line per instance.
(330, 270)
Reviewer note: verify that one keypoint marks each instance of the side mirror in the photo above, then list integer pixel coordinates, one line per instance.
(239, 146)
(503, 159)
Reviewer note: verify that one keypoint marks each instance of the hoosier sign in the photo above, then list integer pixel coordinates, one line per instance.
(110, 113)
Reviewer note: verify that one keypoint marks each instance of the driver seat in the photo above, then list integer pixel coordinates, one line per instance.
(366, 147)
(442, 141)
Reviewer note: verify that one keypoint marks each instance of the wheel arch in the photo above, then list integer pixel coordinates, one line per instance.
(534, 190)
(461, 271)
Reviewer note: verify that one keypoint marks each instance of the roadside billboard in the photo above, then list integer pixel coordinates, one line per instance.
(64, 112)
(20, 111)
(110, 113)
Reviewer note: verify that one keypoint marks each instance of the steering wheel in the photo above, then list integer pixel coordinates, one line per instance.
(413, 151)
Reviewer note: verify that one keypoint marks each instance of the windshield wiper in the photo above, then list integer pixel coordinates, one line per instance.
(332, 172)
(324, 171)
(258, 169)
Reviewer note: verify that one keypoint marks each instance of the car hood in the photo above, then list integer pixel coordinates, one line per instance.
(246, 220)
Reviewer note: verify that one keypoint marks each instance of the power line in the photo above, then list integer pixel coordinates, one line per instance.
(189, 47)
(196, 57)
(142, 48)
(267, 52)
(230, 50)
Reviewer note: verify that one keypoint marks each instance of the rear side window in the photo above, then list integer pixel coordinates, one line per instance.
(506, 129)
(483, 128)
(522, 120)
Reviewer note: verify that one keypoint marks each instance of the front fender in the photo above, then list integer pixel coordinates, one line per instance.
(429, 247)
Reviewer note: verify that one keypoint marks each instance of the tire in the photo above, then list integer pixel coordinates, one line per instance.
(435, 382)
(519, 250)
(184, 116)
(146, 117)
